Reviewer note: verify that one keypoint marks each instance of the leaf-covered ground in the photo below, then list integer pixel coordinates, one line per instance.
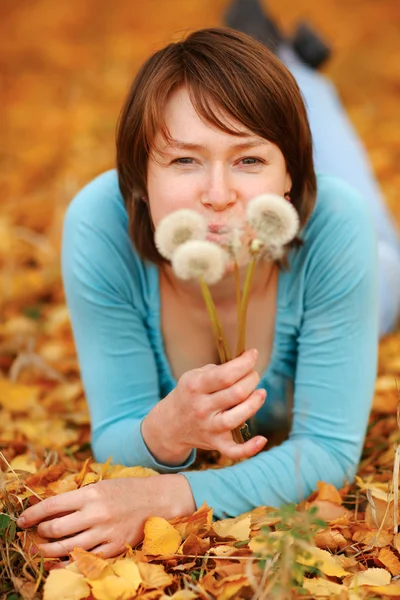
(66, 68)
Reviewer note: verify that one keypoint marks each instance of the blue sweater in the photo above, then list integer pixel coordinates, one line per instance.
(322, 369)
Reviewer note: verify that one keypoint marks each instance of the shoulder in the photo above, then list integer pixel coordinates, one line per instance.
(96, 245)
(99, 203)
(340, 213)
(339, 242)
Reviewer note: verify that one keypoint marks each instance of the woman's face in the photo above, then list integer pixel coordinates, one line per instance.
(208, 170)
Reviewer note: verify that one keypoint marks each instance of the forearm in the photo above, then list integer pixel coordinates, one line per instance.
(161, 435)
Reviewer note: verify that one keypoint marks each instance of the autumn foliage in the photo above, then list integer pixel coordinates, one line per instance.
(66, 68)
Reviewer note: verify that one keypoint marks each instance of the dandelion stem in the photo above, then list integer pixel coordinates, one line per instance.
(238, 289)
(242, 318)
(222, 344)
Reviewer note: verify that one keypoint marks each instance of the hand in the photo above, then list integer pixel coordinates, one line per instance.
(203, 409)
(107, 515)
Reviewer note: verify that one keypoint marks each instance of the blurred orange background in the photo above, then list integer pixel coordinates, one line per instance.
(66, 67)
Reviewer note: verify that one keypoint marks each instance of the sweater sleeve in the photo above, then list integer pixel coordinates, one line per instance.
(334, 376)
(105, 287)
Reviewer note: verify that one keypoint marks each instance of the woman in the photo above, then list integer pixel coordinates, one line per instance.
(210, 123)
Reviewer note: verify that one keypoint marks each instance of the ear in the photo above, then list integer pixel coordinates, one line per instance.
(288, 182)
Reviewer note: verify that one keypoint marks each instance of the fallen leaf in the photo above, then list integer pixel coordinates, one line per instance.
(325, 562)
(112, 587)
(154, 576)
(389, 560)
(229, 587)
(373, 576)
(160, 537)
(238, 528)
(90, 565)
(319, 587)
(328, 492)
(194, 545)
(128, 570)
(65, 585)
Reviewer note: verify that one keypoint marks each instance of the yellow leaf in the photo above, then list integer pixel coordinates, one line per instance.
(319, 587)
(239, 528)
(65, 585)
(24, 462)
(387, 590)
(376, 577)
(16, 397)
(389, 560)
(154, 576)
(119, 471)
(183, 595)
(127, 569)
(160, 537)
(112, 587)
(325, 562)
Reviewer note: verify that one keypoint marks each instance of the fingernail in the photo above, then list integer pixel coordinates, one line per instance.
(254, 353)
(262, 393)
(21, 522)
(33, 549)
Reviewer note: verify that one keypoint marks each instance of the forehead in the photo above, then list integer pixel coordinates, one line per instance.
(181, 119)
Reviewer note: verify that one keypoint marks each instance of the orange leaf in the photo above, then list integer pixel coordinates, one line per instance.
(390, 561)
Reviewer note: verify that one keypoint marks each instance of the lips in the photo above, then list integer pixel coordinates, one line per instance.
(217, 228)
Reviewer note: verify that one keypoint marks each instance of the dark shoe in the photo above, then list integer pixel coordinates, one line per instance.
(248, 16)
(310, 48)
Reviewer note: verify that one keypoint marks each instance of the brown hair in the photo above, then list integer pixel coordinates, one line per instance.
(225, 70)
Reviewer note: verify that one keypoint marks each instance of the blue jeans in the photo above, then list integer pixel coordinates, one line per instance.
(339, 151)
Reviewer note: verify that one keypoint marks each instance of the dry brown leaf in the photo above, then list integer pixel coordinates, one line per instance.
(373, 538)
(389, 560)
(198, 523)
(328, 492)
(328, 510)
(90, 565)
(193, 545)
(229, 587)
(330, 539)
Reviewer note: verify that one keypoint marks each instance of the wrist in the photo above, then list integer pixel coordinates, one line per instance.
(161, 436)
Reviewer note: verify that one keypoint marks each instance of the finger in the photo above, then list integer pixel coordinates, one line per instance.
(230, 419)
(67, 525)
(234, 395)
(223, 376)
(86, 540)
(110, 550)
(50, 507)
(238, 451)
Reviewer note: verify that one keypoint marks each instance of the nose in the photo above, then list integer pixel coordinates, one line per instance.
(219, 193)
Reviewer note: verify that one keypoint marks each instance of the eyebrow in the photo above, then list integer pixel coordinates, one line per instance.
(179, 145)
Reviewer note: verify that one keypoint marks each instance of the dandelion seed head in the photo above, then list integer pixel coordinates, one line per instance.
(177, 228)
(274, 219)
(199, 258)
